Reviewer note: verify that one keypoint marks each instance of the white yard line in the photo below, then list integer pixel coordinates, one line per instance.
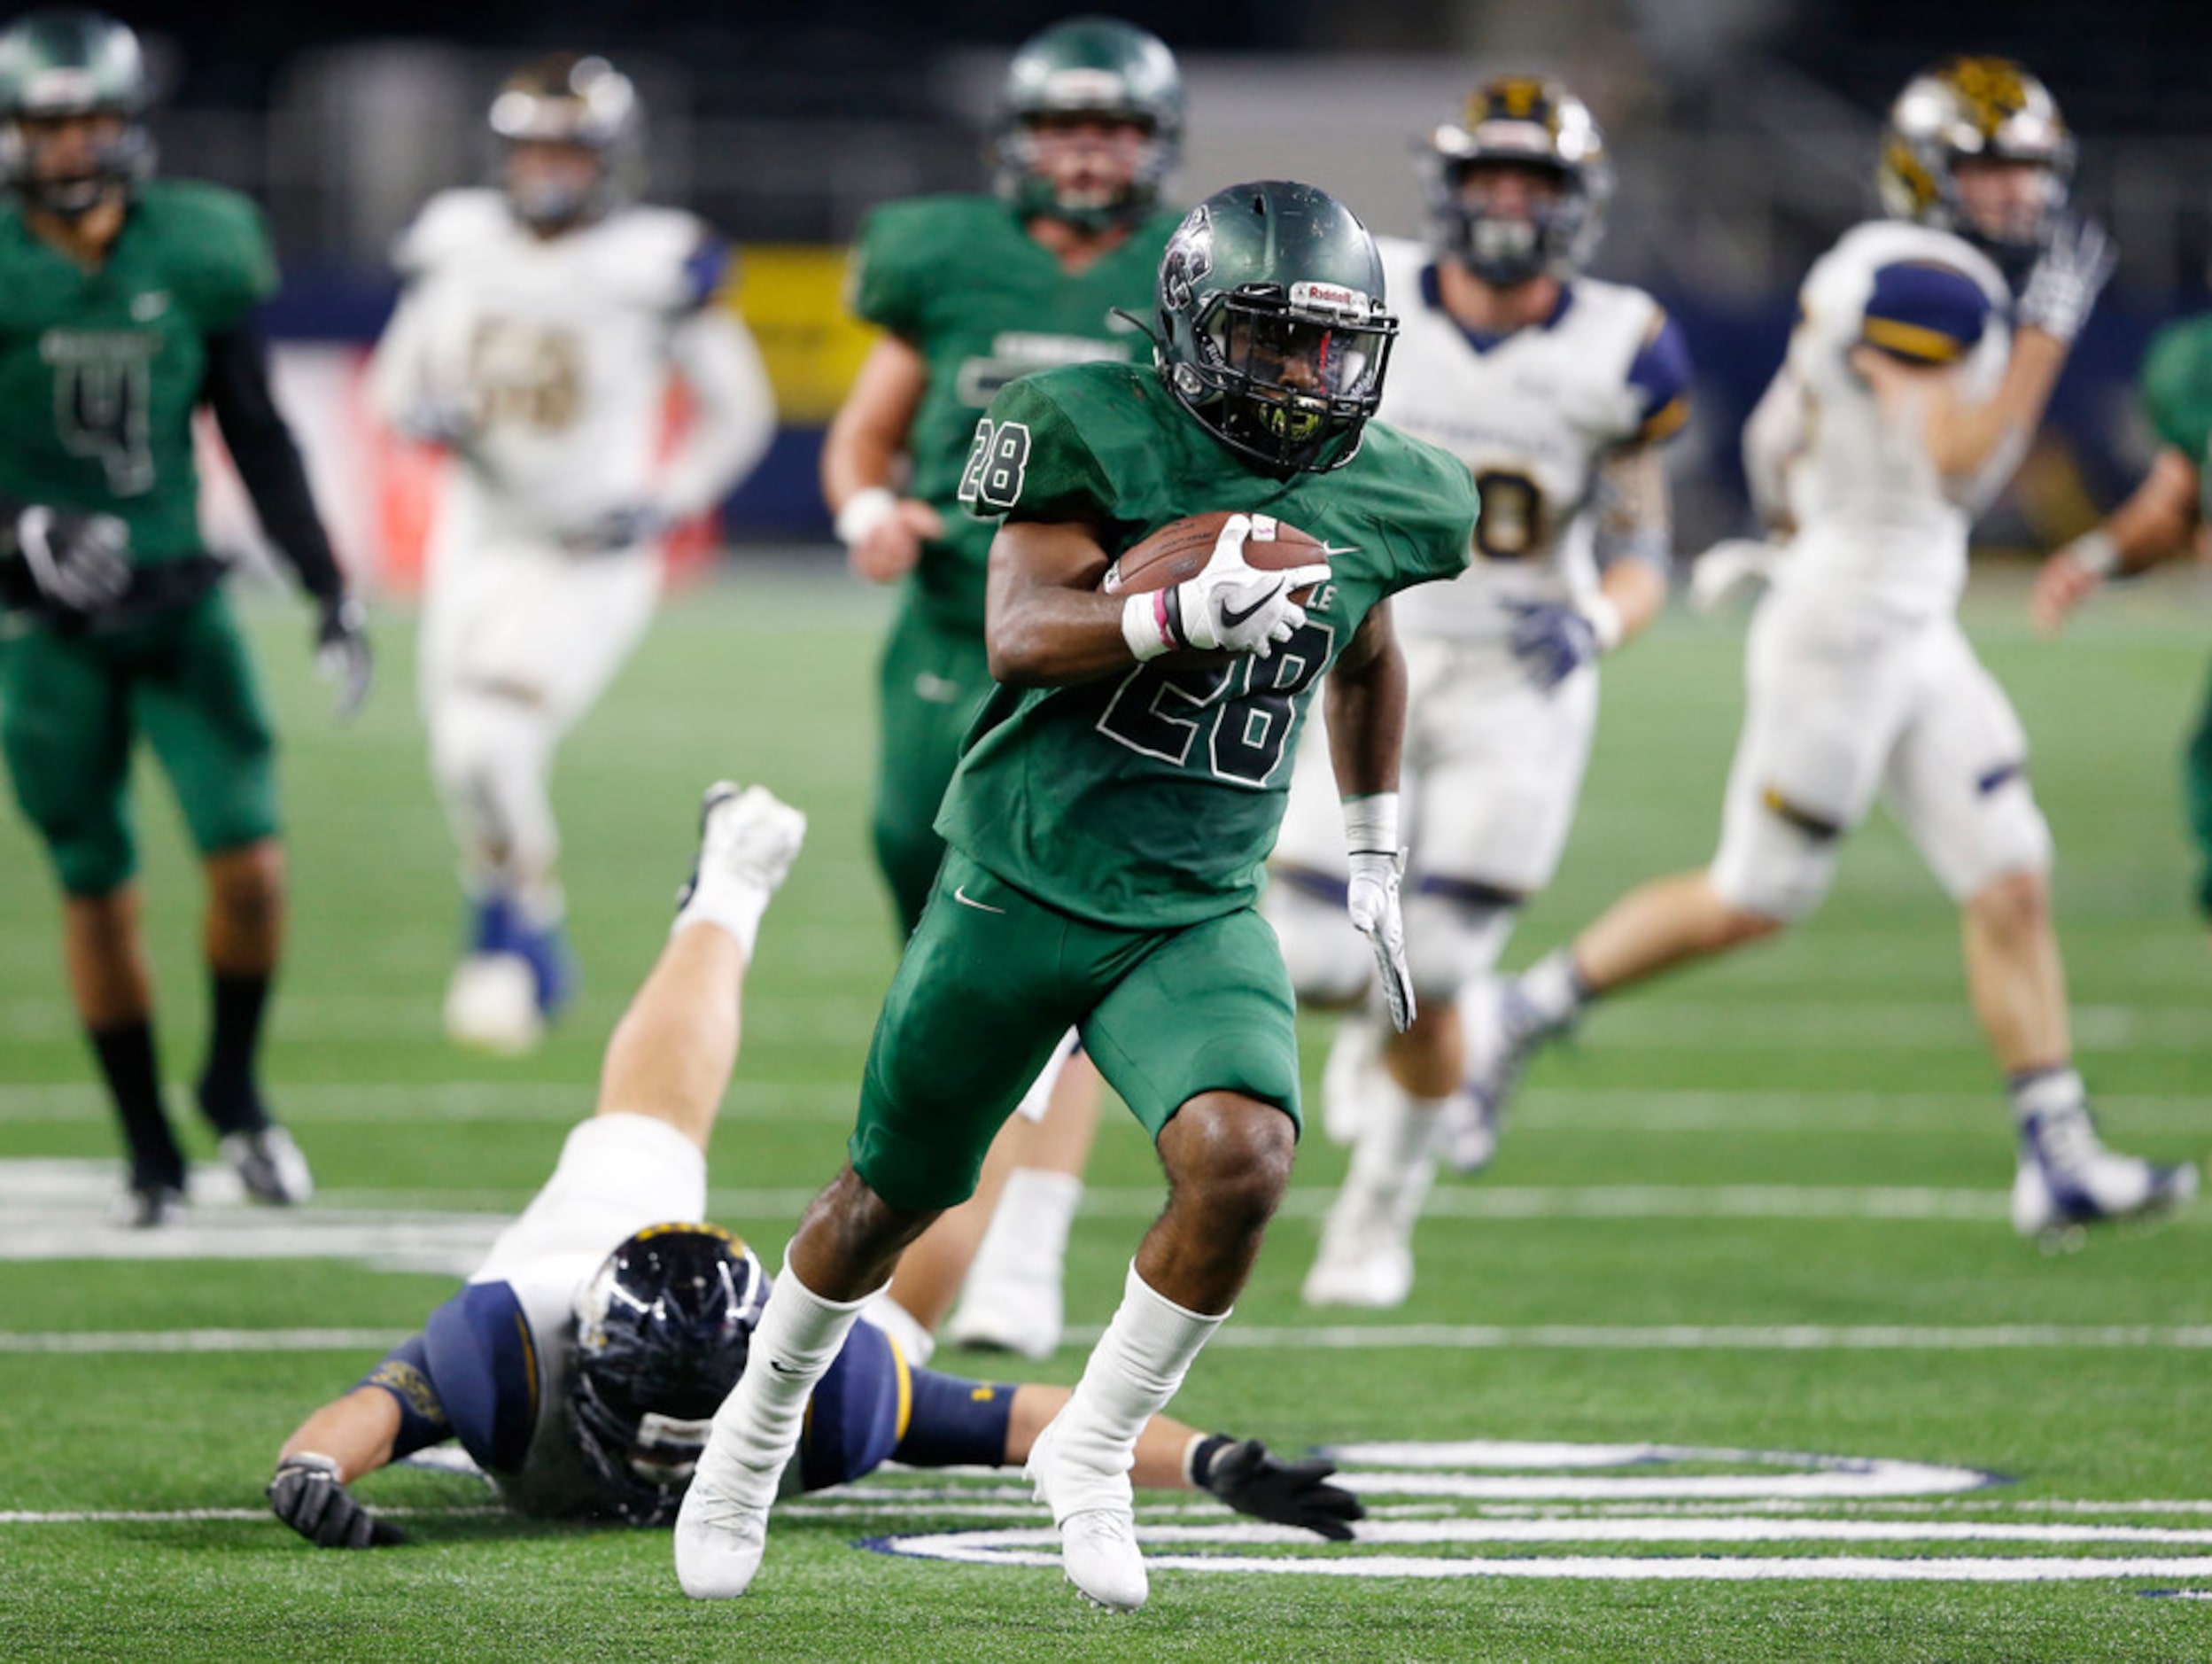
(1377, 1337)
(1780, 1112)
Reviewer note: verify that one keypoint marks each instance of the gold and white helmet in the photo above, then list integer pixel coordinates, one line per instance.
(1528, 122)
(1972, 108)
(567, 98)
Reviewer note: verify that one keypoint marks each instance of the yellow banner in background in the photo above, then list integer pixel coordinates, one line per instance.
(792, 296)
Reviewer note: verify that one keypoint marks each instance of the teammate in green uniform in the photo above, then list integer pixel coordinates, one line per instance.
(125, 303)
(2163, 521)
(1107, 827)
(971, 292)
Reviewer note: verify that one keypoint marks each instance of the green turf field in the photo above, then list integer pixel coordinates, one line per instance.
(1732, 1354)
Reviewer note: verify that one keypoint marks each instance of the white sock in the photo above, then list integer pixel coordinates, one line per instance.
(916, 1342)
(1027, 1239)
(733, 904)
(1394, 1162)
(541, 903)
(758, 1426)
(1554, 990)
(1136, 1368)
(2046, 1092)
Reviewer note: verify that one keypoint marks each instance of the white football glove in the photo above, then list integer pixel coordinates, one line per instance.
(2063, 285)
(1370, 832)
(1230, 607)
(1729, 565)
(79, 562)
(1372, 898)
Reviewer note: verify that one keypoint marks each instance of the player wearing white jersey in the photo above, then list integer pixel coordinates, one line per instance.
(536, 339)
(1556, 389)
(1904, 405)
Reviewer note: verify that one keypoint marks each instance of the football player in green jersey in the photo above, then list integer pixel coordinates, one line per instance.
(971, 292)
(2163, 521)
(1107, 828)
(125, 303)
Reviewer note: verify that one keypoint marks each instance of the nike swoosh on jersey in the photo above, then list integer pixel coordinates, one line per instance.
(960, 895)
(937, 690)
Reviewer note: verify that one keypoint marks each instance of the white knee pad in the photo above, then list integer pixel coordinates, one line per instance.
(1455, 932)
(1329, 962)
(491, 758)
(1773, 863)
(2007, 835)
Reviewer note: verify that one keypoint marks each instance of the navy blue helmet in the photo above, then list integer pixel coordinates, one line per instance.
(663, 1330)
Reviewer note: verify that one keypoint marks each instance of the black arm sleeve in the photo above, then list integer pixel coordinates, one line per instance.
(260, 443)
(16, 588)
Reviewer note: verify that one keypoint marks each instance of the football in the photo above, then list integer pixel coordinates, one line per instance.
(1181, 549)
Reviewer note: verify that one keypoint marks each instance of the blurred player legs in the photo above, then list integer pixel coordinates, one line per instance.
(517, 644)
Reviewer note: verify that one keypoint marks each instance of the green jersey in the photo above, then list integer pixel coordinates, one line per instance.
(962, 281)
(1149, 799)
(2178, 392)
(100, 370)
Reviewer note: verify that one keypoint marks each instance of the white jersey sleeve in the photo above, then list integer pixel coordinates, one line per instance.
(1873, 516)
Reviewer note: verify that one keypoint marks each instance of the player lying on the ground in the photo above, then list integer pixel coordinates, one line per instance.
(581, 1363)
(1912, 385)
(2163, 521)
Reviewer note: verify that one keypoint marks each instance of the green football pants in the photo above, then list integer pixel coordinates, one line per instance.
(990, 981)
(932, 683)
(73, 706)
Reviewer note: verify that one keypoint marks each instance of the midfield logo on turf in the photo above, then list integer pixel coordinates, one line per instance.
(1616, 1513)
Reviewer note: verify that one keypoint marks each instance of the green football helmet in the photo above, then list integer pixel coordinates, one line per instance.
(1094, 66)
(65, 62)
(1273, 331)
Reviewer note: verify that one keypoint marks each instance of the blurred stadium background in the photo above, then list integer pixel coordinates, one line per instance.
(1744, 133)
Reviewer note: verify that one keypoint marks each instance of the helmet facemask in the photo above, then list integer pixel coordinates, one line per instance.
(1288, 377)
(1506, 249)
(1024, 150)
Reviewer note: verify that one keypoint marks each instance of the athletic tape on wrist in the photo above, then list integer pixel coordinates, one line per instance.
(1370, 824)
(864, 511)
(2095, 552)
(1605, 620)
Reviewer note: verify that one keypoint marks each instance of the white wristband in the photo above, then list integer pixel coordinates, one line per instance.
(864, 511)
(1605, 619)
(1370, 824)
(2095, 552)
(1144, 625)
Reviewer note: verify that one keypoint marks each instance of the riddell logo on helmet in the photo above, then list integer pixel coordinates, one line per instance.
(1327, 297)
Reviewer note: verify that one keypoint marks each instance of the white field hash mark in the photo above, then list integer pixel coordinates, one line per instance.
(1377, 1337)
